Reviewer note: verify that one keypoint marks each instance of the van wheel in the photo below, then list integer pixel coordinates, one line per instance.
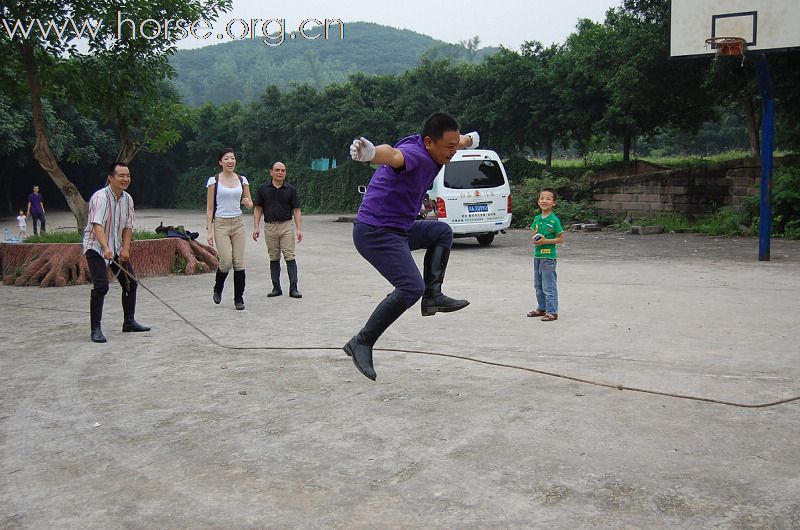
(485, 240)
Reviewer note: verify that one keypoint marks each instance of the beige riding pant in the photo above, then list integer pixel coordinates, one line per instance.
(230, 238)
(280, 238)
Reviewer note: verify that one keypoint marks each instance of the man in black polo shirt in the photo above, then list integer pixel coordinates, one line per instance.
(279, 204)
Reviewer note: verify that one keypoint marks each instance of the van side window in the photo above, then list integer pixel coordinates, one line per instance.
(473, 174)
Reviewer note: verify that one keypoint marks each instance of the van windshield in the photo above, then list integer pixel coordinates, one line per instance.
(471, 174)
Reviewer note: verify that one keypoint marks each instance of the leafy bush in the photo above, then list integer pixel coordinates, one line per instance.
(724, 222)
(521, 169)
(572, 190)
(786, 200)
(785, 206)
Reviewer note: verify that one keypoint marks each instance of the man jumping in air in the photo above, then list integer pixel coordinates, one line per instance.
(385, 231)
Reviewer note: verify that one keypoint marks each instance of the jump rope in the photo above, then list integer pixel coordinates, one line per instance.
(211, 339)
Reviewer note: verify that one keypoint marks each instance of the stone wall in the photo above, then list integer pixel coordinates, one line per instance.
(695, 191)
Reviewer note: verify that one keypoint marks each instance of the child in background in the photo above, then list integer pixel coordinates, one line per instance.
(22, 223)
(547, 233)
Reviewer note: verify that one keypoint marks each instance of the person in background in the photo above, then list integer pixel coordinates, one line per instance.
(280, 205)
(22, 224)
(226, 233)
(36, 210)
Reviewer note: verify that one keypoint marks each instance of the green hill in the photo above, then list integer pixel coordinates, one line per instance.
(241, 70)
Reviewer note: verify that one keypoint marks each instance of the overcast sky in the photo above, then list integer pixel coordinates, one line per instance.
(496, 22)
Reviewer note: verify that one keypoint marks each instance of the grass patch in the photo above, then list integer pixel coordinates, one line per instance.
(598, 160)
(670, 221)
(691, 161)
(56, 237)
(139, 235)
(724, 222)
(76, 237)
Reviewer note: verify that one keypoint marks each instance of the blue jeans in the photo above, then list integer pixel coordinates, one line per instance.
(544, 283)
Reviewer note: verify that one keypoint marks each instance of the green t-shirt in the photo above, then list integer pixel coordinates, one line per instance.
(549, 227)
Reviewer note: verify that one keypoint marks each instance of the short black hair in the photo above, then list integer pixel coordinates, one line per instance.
(224, 152)
(437, 124)
(549, 190)
(113, 167)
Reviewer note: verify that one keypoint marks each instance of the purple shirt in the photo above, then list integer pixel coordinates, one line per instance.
(36, 203)
(394, 196)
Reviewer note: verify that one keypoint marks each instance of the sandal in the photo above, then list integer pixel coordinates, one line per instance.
(549, 317)
(537, 313)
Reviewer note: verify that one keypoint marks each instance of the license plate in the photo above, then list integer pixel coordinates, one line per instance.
(474, 208)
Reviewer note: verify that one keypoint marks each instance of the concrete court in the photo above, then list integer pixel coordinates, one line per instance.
(165, 430)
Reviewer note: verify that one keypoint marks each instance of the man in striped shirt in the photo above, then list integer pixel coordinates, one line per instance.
(107, 243)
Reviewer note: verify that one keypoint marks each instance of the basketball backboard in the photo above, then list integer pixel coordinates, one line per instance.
(766, 25)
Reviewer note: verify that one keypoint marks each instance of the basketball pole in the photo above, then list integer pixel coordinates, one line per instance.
(767, 147)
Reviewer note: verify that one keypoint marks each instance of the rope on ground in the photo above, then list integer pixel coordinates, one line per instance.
(475, 360)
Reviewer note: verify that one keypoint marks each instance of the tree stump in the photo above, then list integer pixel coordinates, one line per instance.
(60, 264)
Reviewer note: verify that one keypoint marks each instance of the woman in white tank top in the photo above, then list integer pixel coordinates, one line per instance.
(227, 192)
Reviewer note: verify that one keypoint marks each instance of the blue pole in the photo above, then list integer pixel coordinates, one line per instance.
(767, 147)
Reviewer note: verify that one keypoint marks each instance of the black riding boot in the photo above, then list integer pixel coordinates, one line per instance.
(96, 315)
(129, 309)
(275, 272)
(291, 268)
(433, 300)
(219, 284)
(238, 289)
(360, 346)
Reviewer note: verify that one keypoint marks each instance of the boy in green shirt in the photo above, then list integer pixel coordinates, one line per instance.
(547, 233)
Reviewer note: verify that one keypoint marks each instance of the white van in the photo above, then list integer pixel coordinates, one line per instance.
(472, 195)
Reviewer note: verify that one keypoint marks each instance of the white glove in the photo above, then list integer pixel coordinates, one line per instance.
(362, 150)
(476, 139)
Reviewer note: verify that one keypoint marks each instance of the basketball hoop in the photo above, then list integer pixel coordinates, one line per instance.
(728, 47)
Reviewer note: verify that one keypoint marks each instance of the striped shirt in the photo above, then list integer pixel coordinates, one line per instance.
(114, 215)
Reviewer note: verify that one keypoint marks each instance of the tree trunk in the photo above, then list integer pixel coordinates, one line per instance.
(627, 142)
(41, 150)
(127, 147)
(753, 126)
(548, 145)
(60, 264)
(7, 187)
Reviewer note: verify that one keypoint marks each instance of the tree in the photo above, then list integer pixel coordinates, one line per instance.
(551, 103)
(587, 95)
(42, 45)
(647, 90)
(431, 87)
(508, 85)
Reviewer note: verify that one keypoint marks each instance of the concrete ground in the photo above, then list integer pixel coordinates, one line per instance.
(166, 430)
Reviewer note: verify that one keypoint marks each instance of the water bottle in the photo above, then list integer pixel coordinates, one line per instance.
(6, 234)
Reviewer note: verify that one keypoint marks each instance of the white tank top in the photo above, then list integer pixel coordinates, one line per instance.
(228, 199)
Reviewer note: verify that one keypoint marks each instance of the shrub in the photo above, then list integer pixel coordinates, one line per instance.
(571, 185)
(786, 199)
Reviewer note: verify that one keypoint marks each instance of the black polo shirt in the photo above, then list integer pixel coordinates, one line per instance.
(277, 203)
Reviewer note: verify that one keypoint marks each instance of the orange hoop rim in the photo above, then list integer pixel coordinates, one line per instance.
(728, 45)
